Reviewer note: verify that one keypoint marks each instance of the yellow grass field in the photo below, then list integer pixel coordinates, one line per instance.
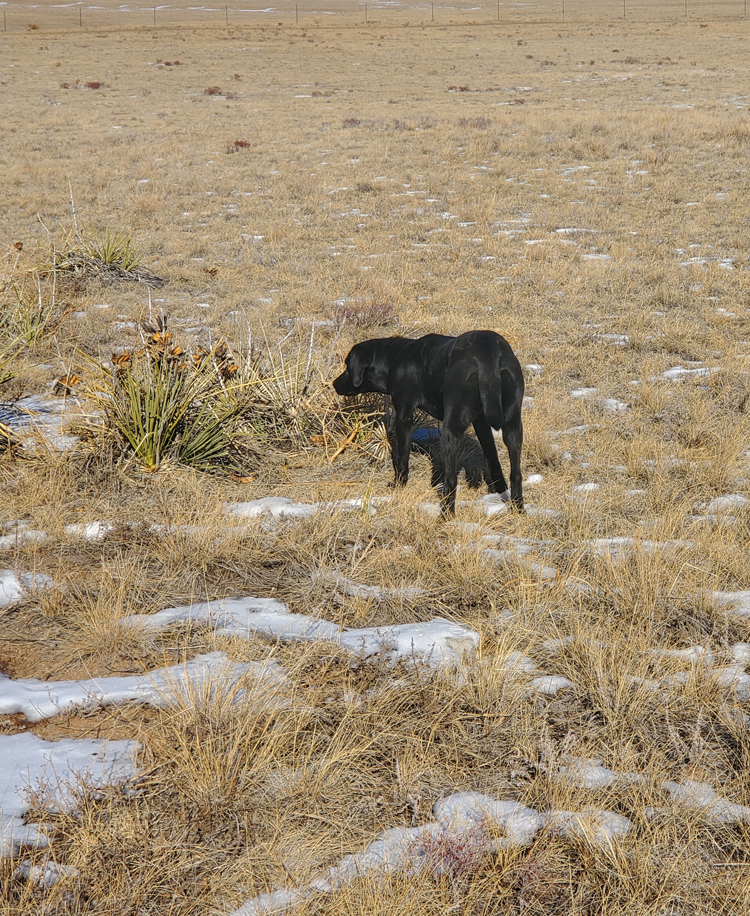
(304, 180)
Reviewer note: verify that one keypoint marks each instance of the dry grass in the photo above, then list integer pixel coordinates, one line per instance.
(339, 185)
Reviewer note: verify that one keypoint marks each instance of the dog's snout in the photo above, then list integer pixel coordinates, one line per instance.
(342, 383)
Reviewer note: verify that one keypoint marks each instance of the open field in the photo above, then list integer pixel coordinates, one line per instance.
(19, 16)
(581, 668)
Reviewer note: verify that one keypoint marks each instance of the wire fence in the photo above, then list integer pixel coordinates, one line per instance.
(358, 13)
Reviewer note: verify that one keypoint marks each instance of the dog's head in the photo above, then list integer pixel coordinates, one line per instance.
(366, 369)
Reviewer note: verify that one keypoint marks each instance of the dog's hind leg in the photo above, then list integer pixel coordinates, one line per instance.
(513, 438)
(496, 480)
(450, 440)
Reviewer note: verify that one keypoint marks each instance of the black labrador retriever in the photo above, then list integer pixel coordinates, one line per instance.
(471, 379)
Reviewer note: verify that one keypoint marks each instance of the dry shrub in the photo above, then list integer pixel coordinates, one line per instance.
(365, 314)
(236, 145)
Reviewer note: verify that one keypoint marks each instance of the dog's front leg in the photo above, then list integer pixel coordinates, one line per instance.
(400, 437)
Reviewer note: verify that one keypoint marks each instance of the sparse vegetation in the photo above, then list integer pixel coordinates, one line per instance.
(31, 308)
(111, 256)
(581, 191)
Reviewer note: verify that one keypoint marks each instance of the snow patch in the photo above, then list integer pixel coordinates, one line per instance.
(13, 586)
(436, 643)
(29, 763)
(37, 700)
(463, 821)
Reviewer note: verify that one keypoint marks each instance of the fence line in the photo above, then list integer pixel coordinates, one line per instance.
(358, 13)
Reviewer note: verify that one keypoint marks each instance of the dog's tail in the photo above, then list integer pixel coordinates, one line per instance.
(490, 396)
(500, 402)
(492, 405)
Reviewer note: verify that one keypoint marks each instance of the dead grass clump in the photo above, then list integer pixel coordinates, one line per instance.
(364, 315)
(33, 310)
(9, 362)
(110, 257)
(288, 403)
(480, 123)
(731, 390)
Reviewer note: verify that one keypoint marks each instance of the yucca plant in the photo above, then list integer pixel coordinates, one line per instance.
(114, 248)
(162, 405)
(111, 256)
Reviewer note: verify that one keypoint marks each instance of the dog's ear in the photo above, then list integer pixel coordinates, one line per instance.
(357, 366)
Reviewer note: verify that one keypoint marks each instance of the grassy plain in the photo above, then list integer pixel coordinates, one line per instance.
(580, 187)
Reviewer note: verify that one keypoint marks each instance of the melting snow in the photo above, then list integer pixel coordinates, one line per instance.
(681, 372)
(38, 700)
(371, 592)
(551, 684)
(700, 796)
(28, 762)
(275, 506)
(722, 503)
(620, 548)
(13, 586)
(463, 819)
(737, 602)
(434, 643)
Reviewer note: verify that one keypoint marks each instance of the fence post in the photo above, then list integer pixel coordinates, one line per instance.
(296, 14)
(365, 12)
(433, 12)
(226, 13)
(563, 3)
(498, 10)
(154, 15)
(80, 18)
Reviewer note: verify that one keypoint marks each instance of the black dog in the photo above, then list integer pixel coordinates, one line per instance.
(471, 379)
